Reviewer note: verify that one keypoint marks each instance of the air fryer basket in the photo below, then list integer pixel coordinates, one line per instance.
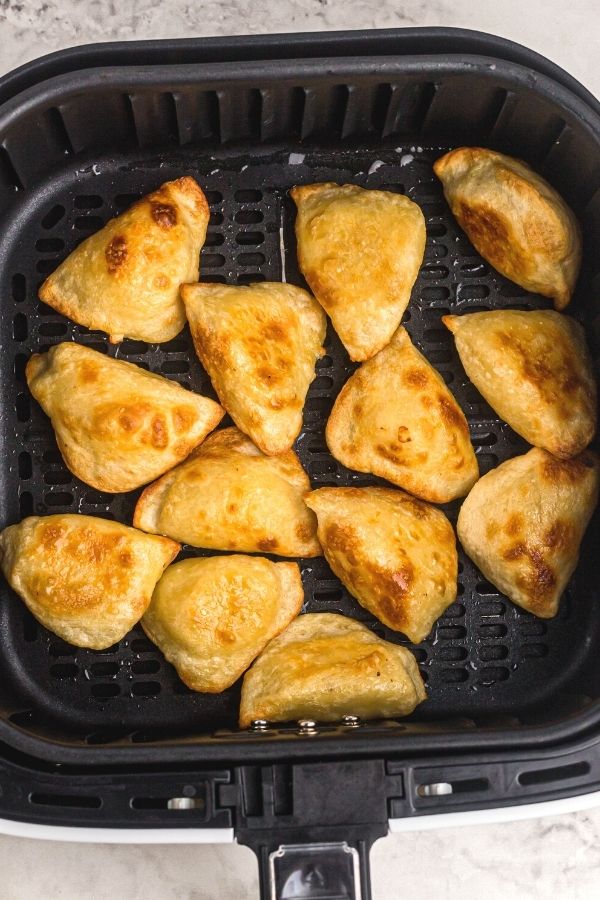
(77, 147)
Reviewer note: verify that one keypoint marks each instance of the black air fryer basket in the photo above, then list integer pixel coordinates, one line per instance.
(113, 739)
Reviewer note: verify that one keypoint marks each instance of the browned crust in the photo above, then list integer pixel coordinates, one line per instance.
(39, 361)
(35, 364)
(301, 192)
(171, 546)
(186, 186)
(334, 431)
(48, 294)
(470, 155)
(451, 323)
(148, 503)
(190, 188)
(487, 230)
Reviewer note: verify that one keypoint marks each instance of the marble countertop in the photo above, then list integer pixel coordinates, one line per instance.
(557, 856)
(561, 31)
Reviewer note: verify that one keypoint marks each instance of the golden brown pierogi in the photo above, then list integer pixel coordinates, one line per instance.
(325, 666)
(117, 426)
(523, 522)
(211, 617)
(259, 344)
(515, 219)
(360, 252)
(395, 554)
(229, 496)
(396, 418)
(535, 370)
(125, 279)
(88, 580)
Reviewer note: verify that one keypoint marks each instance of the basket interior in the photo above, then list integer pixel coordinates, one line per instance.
(485, 659)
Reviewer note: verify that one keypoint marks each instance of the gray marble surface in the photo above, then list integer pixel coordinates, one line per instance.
(562, 31)
(558, 856)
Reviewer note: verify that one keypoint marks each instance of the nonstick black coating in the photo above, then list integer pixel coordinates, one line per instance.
(484, 657)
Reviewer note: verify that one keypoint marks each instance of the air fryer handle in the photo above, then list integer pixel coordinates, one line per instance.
(328, 871)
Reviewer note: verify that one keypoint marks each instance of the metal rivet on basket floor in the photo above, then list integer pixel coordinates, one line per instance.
(307, 726)
(351, 721)
(259, 725)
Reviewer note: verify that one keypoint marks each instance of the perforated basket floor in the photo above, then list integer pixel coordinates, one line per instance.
(484, 656)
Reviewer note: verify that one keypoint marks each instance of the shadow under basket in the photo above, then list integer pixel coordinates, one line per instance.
(78, 147)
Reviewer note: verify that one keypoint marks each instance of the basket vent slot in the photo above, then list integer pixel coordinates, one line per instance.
(252, 795)
(9, 177)
(556, 773)
(239, 114)
(104, 691)
(76, 801)
(57, 127)
(324, 111)
(155, 118)
(197, 116)
(64, 670)
(145, 689)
